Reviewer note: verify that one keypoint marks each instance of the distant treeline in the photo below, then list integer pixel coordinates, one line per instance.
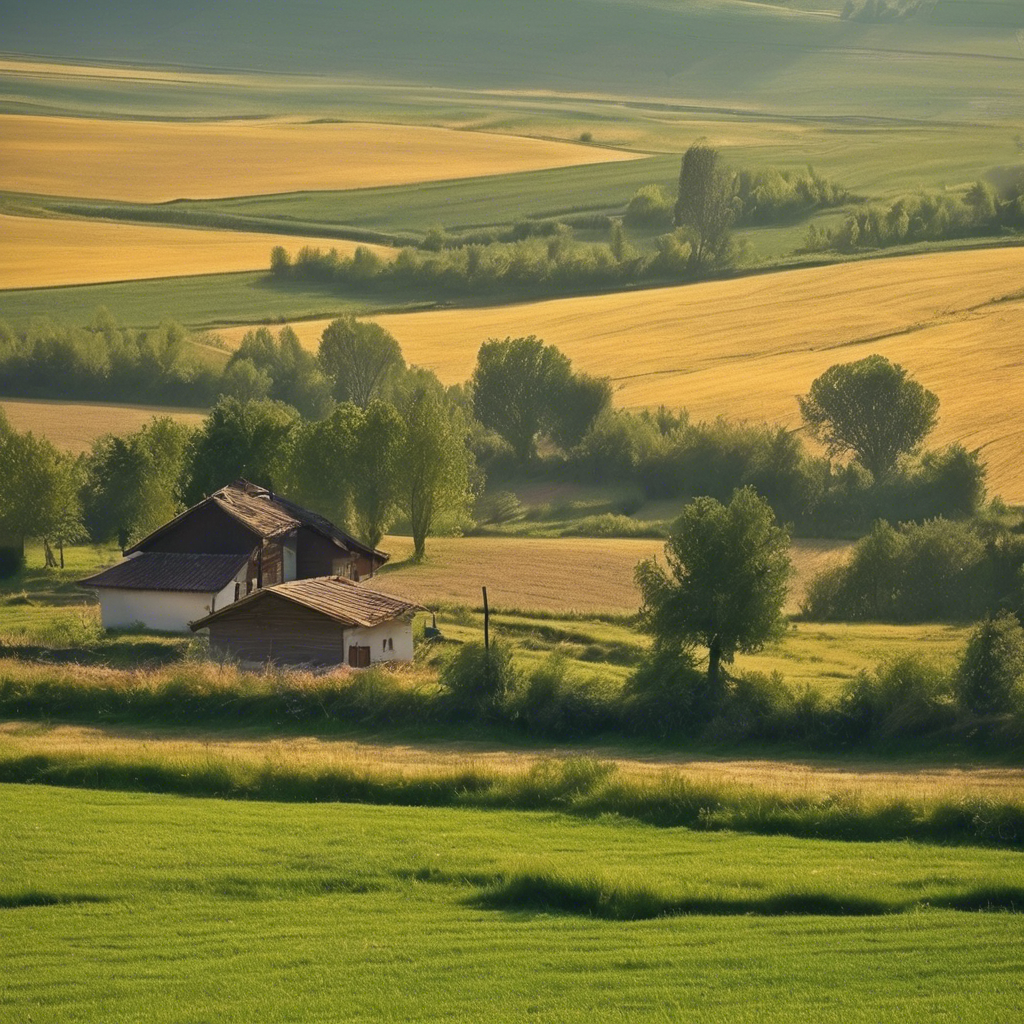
(548, 264)
(755, 197)
(981, 210)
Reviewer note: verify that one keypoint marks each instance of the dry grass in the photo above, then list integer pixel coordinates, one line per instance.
(578, 574)
(150, 161)
(75, 425)
(745, 348)
(40, 253)
(792, 778)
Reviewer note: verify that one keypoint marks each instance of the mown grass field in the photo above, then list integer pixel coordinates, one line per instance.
(75, 425)
(162, 161)
(369, 913)
(43, 253)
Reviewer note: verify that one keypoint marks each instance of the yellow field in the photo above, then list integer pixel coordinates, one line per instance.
(75, 425)
(38, 252)
(746, 348)
(150, 161)
(873, 780)
(559, 574)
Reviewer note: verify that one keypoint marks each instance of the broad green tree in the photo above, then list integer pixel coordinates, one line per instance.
(516, 388)
(434, 475)
(705, 206)
(135, 481)
(990, 678)
(323, 466)
(242, 439)
(379, 450)
(724, 584)
(871, 408)
(362, 360)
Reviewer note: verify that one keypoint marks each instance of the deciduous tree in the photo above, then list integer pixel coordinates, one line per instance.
(871, 408)
(725, 583)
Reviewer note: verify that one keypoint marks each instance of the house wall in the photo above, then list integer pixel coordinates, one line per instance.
(208, 530)
(375, 637)
(275, 629)
(316, 555)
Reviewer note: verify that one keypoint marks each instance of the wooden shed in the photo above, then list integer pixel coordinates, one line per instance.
(325, 621)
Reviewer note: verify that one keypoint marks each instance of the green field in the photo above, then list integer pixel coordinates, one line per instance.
(148, 908)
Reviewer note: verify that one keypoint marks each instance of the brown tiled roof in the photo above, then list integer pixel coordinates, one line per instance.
(268, 515)
(158, 570)
(336, 597)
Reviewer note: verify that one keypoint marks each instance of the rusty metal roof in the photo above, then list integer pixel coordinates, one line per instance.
(158, 570)
(267, 515)
(340, 599)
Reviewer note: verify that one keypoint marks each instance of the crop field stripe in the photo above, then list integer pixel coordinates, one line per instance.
(42, 252)
(746, 347)
(75, 425)
(162, 161)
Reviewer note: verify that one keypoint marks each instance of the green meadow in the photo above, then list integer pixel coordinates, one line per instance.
(137, 907)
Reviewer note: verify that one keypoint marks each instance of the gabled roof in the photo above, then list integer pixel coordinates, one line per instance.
(158, 570)
(268, 516)
(347, 603)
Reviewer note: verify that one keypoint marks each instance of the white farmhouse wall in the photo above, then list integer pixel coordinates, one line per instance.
(397, 631)
(169, 611)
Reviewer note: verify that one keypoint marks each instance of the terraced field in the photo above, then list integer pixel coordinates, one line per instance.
(43, 253)
(158, 161)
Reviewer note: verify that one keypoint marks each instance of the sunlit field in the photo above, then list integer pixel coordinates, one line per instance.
(40, 252)
(75, 425)
(161, 161)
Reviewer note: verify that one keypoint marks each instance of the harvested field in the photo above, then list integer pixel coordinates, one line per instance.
(75, 425)
(41, 253)
(747, 347)
(155, 162)
(549, 574)
(797, 777)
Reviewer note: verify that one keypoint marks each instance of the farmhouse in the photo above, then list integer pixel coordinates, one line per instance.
(326, 621)
(239, 539)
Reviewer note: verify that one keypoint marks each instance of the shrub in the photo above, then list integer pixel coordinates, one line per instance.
(990, 677)
(12, 560)
(903, 697)
(667, 696)
(556, 701)
(756, 706)
(650, 208)
(479, 680)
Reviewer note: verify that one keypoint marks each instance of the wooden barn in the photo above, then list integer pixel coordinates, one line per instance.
(327, 621)
(239, 539)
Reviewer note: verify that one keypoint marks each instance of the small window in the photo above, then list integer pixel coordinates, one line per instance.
(391, 644)
(383, 645)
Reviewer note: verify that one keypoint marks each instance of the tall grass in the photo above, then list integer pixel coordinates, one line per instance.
(578, 786)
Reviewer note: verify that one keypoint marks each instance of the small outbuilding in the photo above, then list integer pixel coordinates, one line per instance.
(329, 620)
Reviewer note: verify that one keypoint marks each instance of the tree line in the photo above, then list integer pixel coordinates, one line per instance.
(356, 407)
(926, 217)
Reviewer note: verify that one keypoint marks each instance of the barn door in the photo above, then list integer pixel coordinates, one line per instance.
(358, 657)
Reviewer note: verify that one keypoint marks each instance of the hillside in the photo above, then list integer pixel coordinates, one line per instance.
(950, 58)
(746, 347)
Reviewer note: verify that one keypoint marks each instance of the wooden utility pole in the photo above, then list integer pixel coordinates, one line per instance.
(487, 623)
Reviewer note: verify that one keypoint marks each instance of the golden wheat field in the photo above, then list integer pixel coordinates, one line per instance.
(157, 161)
(75, 425)
(582, 574)
(745, 348)
(872, 780)
(40, 253)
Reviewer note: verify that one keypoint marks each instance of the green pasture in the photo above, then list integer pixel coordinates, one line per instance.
(196, 301)
(951, 59)
(135, 907)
